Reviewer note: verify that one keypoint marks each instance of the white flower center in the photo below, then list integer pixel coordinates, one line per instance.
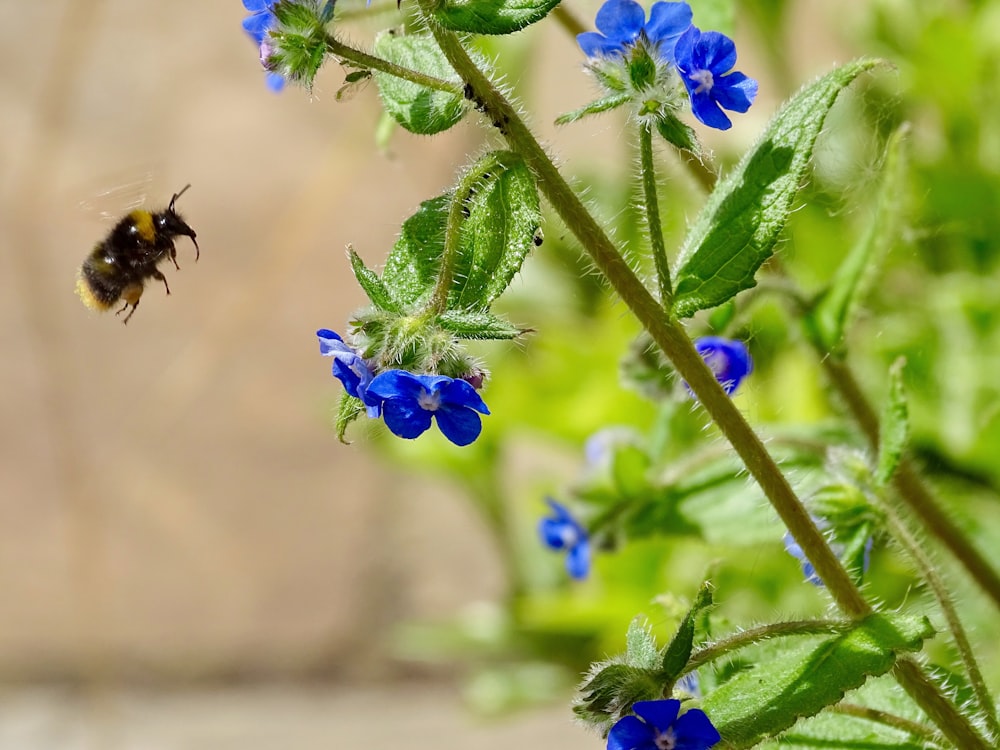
(429, 401)
(704, 79)
(569, 535)
(666, 740)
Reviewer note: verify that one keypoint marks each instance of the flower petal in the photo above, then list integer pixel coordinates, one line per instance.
(717, 51)
(330, 342)
(460, 393)
(708, 112)
(459, 424)
(257, 5)
(404, 417)
(578, 559)
(694, 731)
(735, 92)
(667, 21)
(551, 531)
(660, 714)
(629, 733)
(595, 44)
(275, 81)
(396, 384)
(257, 25)
(620, 20)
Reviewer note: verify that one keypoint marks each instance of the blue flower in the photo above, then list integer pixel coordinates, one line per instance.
(703, 60)
(622, 22)
(408, 402)
(349, 367)
(260, 21)
(729, 359)
(657, 726)
(808, 570)
(563, 532)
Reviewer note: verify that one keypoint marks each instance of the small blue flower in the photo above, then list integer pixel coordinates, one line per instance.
(703, 60)
(561, 531)
(349, 367)
(657, 727)
(408, 401)
(622, 22)
(729, 359)
(811, 576)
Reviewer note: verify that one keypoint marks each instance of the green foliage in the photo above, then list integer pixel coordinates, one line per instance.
(417, 108)
(740, 224)
(492, 16)
(678, 651)
(894, 426)
(802, 680)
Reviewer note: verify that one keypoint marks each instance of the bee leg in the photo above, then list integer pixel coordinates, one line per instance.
(157, 275)
(130, 312)
(173, 258)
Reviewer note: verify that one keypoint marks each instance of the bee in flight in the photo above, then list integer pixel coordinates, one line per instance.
(119, 265)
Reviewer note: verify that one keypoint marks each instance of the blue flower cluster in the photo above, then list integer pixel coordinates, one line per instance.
(407, 402)
(262, 20)
(656, 726)
(703, 59)
(728, 359)
(563, 533)
(793, 548)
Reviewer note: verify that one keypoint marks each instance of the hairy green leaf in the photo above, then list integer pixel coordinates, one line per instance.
(412, 266)
(894, 427)
(640, 645)
(417, 108)
(800, 681)
(372, 285)
(829, 319)
(477, 324)
(740, 224)
(604, 104)
(350, 408)
(492, 16)
(678, 651)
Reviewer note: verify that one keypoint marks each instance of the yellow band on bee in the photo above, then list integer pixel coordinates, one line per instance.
(143, 221)
(88, 298)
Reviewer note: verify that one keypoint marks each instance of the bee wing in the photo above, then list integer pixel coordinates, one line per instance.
(127, 194)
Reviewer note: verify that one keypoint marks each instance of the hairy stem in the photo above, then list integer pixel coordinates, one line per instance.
(363, 59)
(764, 632)
(652, 202)
(918, 731)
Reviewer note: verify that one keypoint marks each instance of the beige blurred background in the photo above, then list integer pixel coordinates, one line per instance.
(188, 557)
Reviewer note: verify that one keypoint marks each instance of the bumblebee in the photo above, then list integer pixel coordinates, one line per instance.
(119, 265)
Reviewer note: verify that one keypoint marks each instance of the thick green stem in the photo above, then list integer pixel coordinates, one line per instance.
(652, 202)
(919, 731)
(668, 334)
(672, 339)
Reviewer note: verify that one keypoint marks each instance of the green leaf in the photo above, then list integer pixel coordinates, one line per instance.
(678, 651)
(502, 218)
(372, 285)
(828, 321)
(640, 646)
(477, 324)
(350, 409)
(417, 108)
(678, 134)
(604, 104)
(739, 226)
(714, 14)
(492, 16)
(800, 681)
(412, 266)
(609, 693)
(894, 427)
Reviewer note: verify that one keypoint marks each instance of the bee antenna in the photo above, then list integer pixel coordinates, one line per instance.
(176, 196)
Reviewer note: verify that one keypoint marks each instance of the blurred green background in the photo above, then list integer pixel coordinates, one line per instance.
(183, 543)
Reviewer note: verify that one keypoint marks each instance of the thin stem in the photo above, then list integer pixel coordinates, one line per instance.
(652, 202)
(902, 534)
(570, 23)
(912, 490)
(364, 60)
(952, 723)
(452, 235)
(669, 334)
(913, 728)
(755, 635)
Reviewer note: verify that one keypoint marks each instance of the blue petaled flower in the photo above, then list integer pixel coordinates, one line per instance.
(622, 22)
(704, 60)
(260, 21)
(408, 401)
(729, 359)
(561, 531)
(808, 570)
(656, 726)
(349, 367)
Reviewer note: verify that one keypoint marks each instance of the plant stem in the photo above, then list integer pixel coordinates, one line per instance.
(364, 60)
(909, 485)
(762, 633)
(669, 334)
(918, 731)
(903, 535)
(652, 202)
(452, 236)
(673, 340)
